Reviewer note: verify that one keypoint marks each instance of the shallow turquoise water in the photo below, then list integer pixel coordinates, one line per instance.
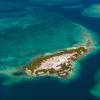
(28, 31)
(32, 35)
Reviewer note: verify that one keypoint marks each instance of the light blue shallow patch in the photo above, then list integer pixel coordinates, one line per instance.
(92, 11)
(96, 89)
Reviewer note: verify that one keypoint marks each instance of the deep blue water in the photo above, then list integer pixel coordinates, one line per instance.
(51, 89)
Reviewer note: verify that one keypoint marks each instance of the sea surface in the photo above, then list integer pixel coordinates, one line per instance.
(29, 29)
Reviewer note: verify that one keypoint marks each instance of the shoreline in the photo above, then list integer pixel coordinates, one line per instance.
(57, 64)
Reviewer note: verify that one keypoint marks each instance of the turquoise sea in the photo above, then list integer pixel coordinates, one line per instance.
(30, 28)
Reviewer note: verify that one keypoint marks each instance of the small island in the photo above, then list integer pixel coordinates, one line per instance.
(58, 64)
